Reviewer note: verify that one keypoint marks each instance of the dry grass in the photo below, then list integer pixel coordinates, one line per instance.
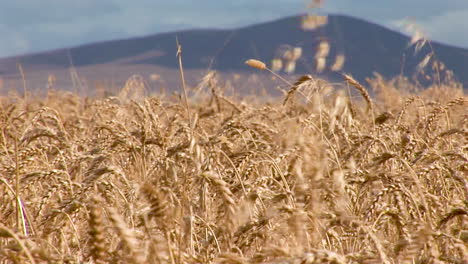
(318, 180)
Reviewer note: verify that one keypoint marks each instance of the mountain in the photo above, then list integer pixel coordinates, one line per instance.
(367, 47)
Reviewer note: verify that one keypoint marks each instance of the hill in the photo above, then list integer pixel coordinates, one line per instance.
(368, 48)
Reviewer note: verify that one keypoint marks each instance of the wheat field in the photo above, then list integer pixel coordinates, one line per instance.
(325, 174)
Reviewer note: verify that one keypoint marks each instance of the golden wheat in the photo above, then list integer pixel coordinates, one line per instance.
(112, 180)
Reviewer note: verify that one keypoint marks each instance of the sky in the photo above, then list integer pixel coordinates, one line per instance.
(37, 25)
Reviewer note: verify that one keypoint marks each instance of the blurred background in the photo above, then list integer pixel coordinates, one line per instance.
(93, 44)
(36, 25)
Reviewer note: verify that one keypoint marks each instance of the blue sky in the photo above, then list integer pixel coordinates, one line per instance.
(37, 25)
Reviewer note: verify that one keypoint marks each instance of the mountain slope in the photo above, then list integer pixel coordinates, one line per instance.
(367, 47)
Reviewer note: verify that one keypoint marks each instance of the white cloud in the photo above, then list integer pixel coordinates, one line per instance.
(449, 27)
(445, 28)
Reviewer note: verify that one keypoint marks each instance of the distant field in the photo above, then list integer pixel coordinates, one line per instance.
(317, 175)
